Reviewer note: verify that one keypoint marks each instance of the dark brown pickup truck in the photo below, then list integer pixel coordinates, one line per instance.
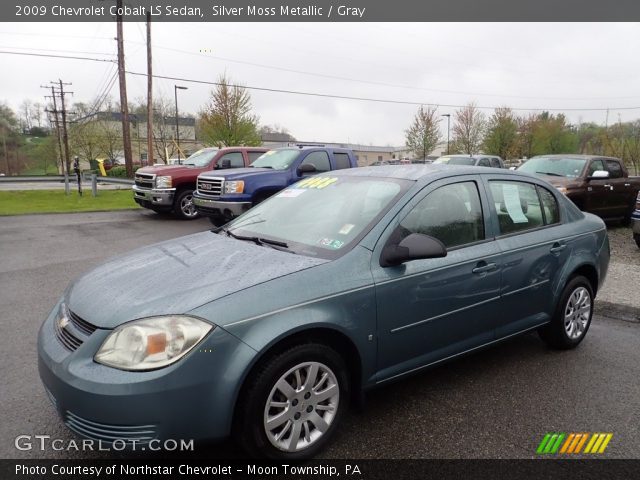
(169, 188)
(599, 185)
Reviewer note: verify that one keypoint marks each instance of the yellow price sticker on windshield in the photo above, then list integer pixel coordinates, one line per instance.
(317, 182)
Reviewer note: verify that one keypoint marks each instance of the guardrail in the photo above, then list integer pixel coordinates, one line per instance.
(61, 178)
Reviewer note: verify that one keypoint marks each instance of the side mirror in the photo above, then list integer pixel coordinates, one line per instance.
(306, 168)
(598, 174)
(226, 163)
(413, 247)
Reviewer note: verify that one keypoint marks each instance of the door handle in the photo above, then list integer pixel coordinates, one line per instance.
(557, 247)
(483, 267)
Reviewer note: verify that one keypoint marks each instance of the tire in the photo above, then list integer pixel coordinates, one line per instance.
(636, 237)
(572, 317)
(301, 422)
(217, 221)
(183, 205)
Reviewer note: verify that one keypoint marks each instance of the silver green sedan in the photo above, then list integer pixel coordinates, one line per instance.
(267, 328)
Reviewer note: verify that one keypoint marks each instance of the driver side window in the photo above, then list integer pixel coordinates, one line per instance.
(320, 160)
(452, 214)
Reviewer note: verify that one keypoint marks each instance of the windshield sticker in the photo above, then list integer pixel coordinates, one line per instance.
(346, 228)
(316, 182)
(513, 204)
(330, 243)
(291, 192)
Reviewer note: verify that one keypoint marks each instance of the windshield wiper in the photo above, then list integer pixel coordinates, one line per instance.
(258, 240)
(551, 174)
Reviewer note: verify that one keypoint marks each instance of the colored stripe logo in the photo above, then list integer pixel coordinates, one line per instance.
(573, 443)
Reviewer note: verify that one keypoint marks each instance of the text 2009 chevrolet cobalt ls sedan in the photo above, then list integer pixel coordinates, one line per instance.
(342, 282)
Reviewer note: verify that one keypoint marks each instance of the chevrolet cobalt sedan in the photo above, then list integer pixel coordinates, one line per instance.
(265, 329)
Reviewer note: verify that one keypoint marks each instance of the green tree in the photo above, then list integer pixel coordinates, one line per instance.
(227, 120)
(9, 139)
(552, 134)
(501, 136)
(423, 135)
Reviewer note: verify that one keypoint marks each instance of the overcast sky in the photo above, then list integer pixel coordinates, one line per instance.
(529, 66)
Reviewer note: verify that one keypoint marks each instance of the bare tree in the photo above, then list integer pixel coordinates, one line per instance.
(468, 129)
(423, 135)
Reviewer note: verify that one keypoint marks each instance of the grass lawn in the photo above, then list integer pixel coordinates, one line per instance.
(55, 201)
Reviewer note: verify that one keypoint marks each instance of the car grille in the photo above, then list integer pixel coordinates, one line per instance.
(110, 433)
(210, 187)
(69, 339)
(144, 180)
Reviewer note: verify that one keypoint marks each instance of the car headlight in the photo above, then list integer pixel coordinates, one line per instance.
(152, 343)
(234, 187)
(163, 182)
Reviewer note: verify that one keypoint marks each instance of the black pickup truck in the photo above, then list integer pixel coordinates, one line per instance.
(599, 185)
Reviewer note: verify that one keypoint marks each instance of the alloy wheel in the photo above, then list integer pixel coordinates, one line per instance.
(577, 312)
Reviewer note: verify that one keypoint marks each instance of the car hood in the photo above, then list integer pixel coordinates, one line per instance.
(171, 169)
(235, 173)
(177, 276)
(556, 181)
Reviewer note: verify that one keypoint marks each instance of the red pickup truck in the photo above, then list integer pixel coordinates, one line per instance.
(169, 188)
(596, 184)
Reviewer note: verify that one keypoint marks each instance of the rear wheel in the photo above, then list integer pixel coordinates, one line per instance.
(572, 317)
(294, 403)
(183, 205)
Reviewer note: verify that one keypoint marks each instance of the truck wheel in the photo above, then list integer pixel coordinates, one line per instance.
(572, 317)
(293, 403)
(183, 205)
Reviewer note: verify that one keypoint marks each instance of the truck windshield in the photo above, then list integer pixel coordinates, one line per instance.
(554, 166)
(201, 158)
(321, 216)
(276, 159)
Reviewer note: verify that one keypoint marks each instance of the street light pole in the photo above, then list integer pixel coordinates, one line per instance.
(175, 91)
(448, 115)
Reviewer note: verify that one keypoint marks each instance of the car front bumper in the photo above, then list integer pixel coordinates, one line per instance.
(191, 399)
(635, 222)
(154, 197)
(212, 208)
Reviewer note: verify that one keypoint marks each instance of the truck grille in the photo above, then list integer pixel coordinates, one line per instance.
(210, 186)
(70, 339)
(144, 180)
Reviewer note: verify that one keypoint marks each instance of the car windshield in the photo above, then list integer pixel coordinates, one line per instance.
(276, 159)
(321, 216)
(455, 161)
(554, 166)
(201, 158)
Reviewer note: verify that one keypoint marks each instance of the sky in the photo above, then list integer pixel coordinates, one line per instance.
(563, 66)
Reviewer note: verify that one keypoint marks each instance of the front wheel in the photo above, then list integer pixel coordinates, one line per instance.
(294, 403)
(183, 205)
(572, 317)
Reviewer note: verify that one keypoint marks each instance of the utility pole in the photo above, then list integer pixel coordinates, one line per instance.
(65, 136)
(124, 106)
(149, 95)
(56, 121)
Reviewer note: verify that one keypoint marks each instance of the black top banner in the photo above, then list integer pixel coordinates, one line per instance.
(322, 10)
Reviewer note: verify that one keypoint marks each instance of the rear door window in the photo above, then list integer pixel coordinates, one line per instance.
(342, 160)
(517, 205)
(614, 169)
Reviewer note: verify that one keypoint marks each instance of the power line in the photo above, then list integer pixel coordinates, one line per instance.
(49, 55)
(326, 95)
(377, 100)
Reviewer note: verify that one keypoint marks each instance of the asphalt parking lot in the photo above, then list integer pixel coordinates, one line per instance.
(495, 404)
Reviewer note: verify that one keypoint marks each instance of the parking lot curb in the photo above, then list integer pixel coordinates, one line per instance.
(618, 311)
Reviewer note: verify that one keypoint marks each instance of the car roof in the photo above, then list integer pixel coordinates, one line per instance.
(418, 171)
